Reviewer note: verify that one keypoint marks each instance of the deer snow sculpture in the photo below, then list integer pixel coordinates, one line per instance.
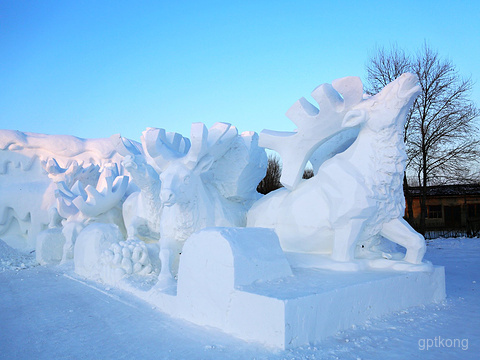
(86, 195)
(142, 209)
(356, 194)
(209, 180)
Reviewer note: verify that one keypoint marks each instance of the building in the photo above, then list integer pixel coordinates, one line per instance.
(452, 210)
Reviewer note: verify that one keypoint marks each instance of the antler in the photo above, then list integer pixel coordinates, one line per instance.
(213, 142)
(315, 127)
(110, 190)
(72, 173)
(161, 147)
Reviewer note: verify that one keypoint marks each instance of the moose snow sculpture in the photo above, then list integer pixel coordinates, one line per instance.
(209, 180)
(356, 194)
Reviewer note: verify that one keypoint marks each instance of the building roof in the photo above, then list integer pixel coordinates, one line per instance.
(448, 190)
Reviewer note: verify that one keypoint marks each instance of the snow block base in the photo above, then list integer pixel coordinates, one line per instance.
(239, 280)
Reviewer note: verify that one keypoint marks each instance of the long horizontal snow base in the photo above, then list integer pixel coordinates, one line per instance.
(238, 280)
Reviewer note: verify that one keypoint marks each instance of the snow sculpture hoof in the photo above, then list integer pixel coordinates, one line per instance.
(400, 265)
(166, 284)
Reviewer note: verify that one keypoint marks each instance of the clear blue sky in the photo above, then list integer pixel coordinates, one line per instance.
(95, 68)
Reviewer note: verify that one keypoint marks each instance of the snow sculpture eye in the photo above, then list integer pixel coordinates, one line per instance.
(186, 180)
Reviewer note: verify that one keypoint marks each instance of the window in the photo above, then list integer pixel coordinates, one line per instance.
(473, 210)
(434, 211)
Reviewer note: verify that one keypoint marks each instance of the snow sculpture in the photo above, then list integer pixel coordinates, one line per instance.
(26, 192)
(142, 209)
(217, 264)
(209, 180)
(86, 195)
(50, 242)
(125, 258)
(355, 195)
(90, 246)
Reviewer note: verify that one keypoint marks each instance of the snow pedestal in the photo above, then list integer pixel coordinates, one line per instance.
(49, 246)
(239, 280)
(216, 263)
(90, 245)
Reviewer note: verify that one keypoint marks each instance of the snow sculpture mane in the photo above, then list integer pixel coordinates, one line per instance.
(356, 194)
(187, 185)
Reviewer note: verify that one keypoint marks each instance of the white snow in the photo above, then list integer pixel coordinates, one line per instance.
(51, 313)
(11, 259)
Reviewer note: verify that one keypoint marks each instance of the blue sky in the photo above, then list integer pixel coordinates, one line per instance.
(95, 68)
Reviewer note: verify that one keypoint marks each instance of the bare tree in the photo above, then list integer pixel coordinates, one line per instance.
(441, 132)
(308, 173)
(384, 66)
(271, 181)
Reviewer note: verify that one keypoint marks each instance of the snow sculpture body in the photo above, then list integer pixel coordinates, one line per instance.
(142, 210)
(207, 181)
(358, 193)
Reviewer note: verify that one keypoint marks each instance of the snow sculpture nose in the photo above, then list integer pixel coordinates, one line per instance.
(167, 196)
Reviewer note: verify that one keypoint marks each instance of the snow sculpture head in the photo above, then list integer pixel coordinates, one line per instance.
(208, 180)
(388, 108)
(181, 167)
(357, 192)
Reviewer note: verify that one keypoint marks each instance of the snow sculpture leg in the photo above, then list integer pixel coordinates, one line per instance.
(400, 232)
(346, 238)
(50, 242)
(166, 279)
(70, 230)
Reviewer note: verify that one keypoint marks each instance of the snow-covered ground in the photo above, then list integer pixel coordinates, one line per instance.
(50, 313)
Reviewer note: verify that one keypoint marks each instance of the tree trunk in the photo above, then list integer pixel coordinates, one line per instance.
(408, 199)
(423, 197)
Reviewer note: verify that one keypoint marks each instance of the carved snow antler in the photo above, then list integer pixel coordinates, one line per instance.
(65, 198)
(315, 126)
(162, 147)
(110, 190)
(89, 200)
(125, 146)
(72, 173)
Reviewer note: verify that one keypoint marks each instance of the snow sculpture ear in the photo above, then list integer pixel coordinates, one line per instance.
(354, 118)
(204, 164)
